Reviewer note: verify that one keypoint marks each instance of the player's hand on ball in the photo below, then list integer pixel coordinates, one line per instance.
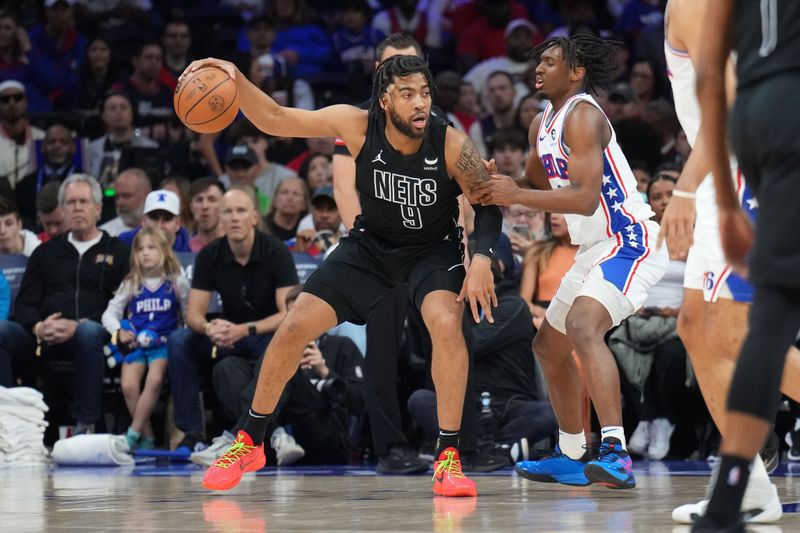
(677, 227)
(227, 66)
(478, 288)
(736, 232)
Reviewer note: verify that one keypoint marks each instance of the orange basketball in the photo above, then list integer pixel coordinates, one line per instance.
(207, 100)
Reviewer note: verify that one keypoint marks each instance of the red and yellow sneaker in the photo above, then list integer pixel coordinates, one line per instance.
(241, 457)
(448, 478)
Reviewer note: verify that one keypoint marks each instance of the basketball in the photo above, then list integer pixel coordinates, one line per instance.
(207, 100)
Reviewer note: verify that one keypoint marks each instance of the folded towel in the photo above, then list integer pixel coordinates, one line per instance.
(104, 449)
(23, 396)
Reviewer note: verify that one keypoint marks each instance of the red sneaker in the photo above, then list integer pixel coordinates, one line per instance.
(241, 457)
(448, 479)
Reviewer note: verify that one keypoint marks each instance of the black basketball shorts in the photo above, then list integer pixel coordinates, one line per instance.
(363, 268)
(765, 132)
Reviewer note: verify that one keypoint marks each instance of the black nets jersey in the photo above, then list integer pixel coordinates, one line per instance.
(766, 35)
(407, 200)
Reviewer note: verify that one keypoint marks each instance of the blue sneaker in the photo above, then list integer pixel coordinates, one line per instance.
(612, 467)
(557, 468)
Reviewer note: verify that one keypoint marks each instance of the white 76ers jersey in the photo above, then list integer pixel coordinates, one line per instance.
(620, 203)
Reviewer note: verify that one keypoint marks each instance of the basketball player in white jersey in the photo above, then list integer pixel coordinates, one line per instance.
(713, 319)
(578, 169)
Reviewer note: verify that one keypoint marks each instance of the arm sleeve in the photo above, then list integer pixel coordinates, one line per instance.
(488, 223)
(115, 311)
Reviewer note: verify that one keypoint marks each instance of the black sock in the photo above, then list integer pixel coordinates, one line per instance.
(256, 426)
(447, 439)
(726, 501)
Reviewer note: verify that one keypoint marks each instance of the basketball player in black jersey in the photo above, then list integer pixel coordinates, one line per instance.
(406, 234)
(765, 135)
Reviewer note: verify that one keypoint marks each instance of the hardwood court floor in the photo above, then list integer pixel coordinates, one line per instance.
(348, 499)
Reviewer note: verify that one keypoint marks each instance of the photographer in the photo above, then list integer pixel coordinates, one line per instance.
(323, 227)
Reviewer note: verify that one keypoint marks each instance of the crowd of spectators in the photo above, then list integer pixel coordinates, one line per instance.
(91, 152)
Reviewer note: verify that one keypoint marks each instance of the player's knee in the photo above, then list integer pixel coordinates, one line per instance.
(445, 325)
(582, 333)
(689, 327)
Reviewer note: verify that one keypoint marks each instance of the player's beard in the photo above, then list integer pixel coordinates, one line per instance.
(405, 127)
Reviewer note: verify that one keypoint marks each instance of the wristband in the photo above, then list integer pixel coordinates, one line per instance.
(684, 194)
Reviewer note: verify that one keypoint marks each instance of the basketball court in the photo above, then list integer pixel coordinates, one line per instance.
(149, 497)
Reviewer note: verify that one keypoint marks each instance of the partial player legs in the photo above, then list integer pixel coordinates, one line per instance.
(309, 318)
(587, 323)
(753, 399)
(443, 316)
(553, 351)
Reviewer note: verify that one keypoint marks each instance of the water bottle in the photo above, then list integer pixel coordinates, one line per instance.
(487, 424)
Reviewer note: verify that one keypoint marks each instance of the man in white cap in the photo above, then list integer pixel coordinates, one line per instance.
(519, 37)
(162, 209)
(17, 136)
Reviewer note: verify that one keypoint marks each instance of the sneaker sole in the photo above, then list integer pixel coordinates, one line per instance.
(546, 478)
(750, 516)
(461, 493)
(210, 485)
(599, 475)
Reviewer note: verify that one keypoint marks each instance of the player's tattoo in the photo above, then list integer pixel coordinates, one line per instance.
(471, 165)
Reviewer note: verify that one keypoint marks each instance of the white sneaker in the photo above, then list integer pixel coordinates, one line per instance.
(520, 451)
(219, 445)
(640, 438)
(287, 451)
(660, 433)
(752, 512)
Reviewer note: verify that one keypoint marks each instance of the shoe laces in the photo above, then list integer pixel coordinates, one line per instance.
(237, 450)
(605, 452)
(449, 465)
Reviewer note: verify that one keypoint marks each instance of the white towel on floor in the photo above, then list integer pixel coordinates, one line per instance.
(104, 449)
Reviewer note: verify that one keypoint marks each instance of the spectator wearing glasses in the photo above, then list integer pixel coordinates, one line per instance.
(252, 272)
(17, 136)
(67, 285)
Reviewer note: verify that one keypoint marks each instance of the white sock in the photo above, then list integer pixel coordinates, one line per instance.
(618, 432)
(573, 445)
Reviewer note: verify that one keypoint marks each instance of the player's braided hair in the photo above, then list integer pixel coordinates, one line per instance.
(594, 54)
(396, 67)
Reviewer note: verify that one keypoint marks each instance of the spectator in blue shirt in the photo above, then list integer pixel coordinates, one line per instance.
(63, 47)
(305, 46)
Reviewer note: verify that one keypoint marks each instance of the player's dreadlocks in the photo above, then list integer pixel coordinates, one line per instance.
(594, 54)
(396, 66)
